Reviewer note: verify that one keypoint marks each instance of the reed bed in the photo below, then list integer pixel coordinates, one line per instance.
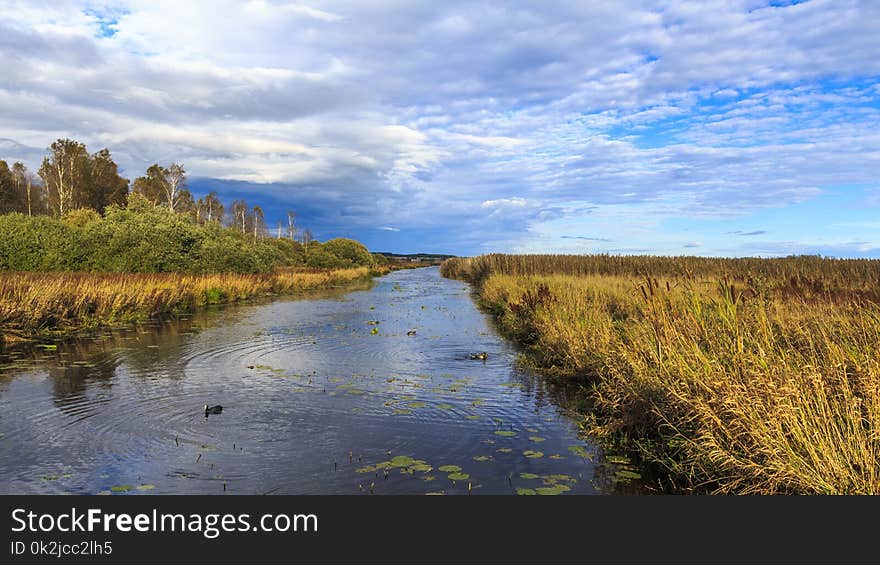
(727, 376)
(31, 303)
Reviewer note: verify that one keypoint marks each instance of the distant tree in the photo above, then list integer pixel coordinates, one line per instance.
(151, 185)
(209, 209)
(175, 182)
(259, 222)
(291, 225)
(241, 217)
(101, 185)
(10, 196)
(185, 203)
(306, 238)
(27, 184)
(62, 174)
(163, 186)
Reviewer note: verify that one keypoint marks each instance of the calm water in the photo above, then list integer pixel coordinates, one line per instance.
(317, 399)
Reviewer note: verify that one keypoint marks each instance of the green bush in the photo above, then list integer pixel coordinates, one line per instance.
(143, 238)
(349, 250)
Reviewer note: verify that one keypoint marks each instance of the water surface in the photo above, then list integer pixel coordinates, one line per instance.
(370, 390)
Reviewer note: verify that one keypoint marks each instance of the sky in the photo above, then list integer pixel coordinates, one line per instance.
(714, 128)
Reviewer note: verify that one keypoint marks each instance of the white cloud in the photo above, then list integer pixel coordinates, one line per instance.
(493, 120)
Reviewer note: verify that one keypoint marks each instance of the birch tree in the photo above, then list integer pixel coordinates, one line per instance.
(60, 172)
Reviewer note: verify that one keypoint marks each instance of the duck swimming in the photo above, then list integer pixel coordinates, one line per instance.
(213, 409)
(411, 332)
(482, 355)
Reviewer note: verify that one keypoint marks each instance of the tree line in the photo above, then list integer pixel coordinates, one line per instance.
(70, 178)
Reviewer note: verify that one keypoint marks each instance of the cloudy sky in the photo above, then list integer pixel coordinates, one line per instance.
(728, 127)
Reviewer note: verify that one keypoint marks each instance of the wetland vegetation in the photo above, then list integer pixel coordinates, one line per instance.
(719, 375)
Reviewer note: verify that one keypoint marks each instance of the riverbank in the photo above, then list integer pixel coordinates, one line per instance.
(721, 376)
(56, 304)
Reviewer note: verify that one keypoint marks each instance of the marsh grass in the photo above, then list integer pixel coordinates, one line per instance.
(57, 302)
(729, 375)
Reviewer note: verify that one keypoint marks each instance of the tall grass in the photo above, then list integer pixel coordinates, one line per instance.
(731, 376)
(34, 302)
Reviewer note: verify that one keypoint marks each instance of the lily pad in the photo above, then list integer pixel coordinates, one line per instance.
(472, 417)
(403, 461)
(505, 433)
(458, 477)
(402, 411)
(449, 469)
(526, 492)
(528, 476)
(145, 487)
(438, 493)
(550, 491)
(537, 439)
(504, 450)
(121, 488)
(445, 406)
(417, 404)
(579, 450)
(482, 458)
(533, 454)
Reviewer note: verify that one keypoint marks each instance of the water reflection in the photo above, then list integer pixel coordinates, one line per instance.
(372, 390)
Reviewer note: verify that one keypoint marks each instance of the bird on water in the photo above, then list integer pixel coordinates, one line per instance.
(216, 409)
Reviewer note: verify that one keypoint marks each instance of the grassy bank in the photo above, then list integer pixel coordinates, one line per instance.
(35, 303)
(726, 375)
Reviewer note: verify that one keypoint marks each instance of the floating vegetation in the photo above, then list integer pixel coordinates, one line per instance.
(581, 451)
(145, 487)
(355, 391)
(445, 406)
(537, 439)
(477, 402)
(49, 477)
(402, 461)
(482, 458)
(557, 456)
(458, 476)
(472, 417)
(402, 411)
(48, 346)
(533, 454)
(529, 476)
(525, 492)
(550, 491)
(417, 405)
(505, 433)
(532, 430)
(121, 488)
(374, 331)
(627, 475)
(449, 469)
(504, 450)
(437, 493)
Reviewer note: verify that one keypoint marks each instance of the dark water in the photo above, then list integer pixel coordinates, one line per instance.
(331, 405)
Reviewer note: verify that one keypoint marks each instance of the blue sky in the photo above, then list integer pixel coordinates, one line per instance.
(719, 128)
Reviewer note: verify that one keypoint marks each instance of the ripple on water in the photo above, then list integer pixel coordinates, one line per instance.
(309, 393)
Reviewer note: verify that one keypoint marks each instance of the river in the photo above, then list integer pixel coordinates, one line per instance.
(370, 390)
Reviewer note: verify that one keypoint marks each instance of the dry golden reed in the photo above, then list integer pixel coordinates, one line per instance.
(728, 375)
(34, 302)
